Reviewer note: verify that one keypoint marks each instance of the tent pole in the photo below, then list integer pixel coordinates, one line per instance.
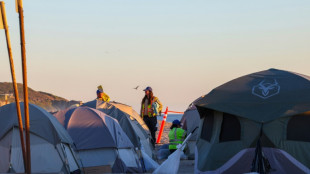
(65, 156)
(25, 85)
(20, 121)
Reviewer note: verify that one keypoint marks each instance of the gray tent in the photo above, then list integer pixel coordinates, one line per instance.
(133, 115)
(190, 120)
(100, 140)
(50, 143)
(270, 107)
(129, 120)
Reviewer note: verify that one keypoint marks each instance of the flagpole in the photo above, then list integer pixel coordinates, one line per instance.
(25, 85)
(19, 115)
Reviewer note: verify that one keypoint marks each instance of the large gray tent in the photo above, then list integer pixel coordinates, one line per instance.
(129, 120)
(270, 107)
(50, 143)
(99, 140)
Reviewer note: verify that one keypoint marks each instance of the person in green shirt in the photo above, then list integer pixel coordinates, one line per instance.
(101, 95)
(176, 135)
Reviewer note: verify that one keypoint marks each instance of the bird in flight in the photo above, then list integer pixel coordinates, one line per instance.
(136, 88)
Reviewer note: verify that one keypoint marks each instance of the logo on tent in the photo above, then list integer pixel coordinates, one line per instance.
(266, 89)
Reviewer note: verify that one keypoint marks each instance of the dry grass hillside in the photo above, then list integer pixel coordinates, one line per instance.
(45, 100)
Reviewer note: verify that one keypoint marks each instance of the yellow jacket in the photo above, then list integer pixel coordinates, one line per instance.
(150, 112)
(105, 98)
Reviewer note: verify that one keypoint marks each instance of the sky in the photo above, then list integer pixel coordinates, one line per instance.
(182, 49)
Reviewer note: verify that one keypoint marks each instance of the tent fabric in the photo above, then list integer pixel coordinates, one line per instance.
(237, 114)
(46, 134)
(97, 157)
(149, 163)
(135, 116)
(140, 130)
(171, 165)
(51, 130)
(123, 121)
(262, 96)
(147, 147)
(73, 166)
(5, 144)
(99, 139)
(119, 166)
(213, 154)
(128, 157)
(121, 116)
(129, 120)
(116, 158)
(190, 120)
(39, 148)
(90, 129)
(242, 163)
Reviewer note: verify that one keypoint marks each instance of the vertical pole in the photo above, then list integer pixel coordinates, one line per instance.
(25, 85)
(162, 126)
(19, 115)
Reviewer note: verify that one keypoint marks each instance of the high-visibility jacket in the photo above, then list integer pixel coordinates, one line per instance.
(105, 98)
(176, 136)
(150, 112)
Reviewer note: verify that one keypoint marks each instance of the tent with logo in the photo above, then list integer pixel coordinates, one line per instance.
(129, 120)
(267, 110)
(50, 144)
(190, 120)
(100, 141)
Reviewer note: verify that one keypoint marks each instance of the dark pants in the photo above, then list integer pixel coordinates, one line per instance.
(151, 123)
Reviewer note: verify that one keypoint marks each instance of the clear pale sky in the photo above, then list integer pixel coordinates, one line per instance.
(181, 48)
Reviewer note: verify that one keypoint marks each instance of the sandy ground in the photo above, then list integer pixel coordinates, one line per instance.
(186, 166)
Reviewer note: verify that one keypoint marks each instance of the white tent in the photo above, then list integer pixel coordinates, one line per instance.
(50, 143)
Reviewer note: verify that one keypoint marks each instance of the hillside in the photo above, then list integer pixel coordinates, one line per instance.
(45, 100)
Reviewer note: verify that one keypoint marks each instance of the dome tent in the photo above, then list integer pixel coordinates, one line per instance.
(100, 140)
(133, 115)
(50, 144)
(130, 121)
(271, 106)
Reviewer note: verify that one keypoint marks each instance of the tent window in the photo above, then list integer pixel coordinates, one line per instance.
(298, 128)
(207, 126)
(231, 129)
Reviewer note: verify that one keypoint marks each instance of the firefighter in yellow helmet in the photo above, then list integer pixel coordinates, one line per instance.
(176, 135)
(101, 95)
